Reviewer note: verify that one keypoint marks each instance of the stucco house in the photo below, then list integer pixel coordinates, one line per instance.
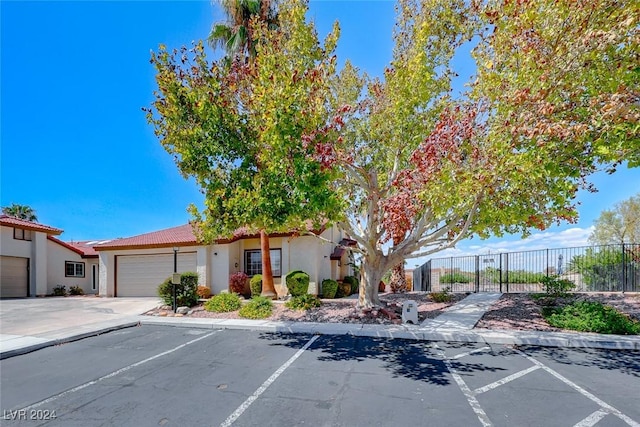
(33, 260)
(135, 266)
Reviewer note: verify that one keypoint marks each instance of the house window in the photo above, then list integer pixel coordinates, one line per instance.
(21, 234)
(253, 262)
(74, 269)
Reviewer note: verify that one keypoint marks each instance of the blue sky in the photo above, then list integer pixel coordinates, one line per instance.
(75, 143)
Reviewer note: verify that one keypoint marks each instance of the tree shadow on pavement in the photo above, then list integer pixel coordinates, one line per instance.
(415, 360)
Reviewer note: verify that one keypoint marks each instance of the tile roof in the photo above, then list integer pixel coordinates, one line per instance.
(180, 236)
(78, 247)
(28, 225)
(86, 247)
(339, 250)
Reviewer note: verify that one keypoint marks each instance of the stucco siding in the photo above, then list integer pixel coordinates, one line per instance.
(57, 256)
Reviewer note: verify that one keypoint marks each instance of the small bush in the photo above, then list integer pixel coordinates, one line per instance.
(186, 291)
(237, 282)
(76, 290)
(455, 278)
(203, 292)
(553, 286)
(329, 288)
(256, 285)
(297, 283)
(442, 296)
(223, 303)
(303, 302)
(382, 286)
(344, 290)
(60, 291)
(257, 308)
(354, 282)
(587, 316)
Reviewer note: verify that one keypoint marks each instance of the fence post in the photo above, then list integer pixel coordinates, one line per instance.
(477, 276)
(624, 269)
(500, 271)
(546, 270)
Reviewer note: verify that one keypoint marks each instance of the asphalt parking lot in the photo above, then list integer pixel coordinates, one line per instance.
(154, 375)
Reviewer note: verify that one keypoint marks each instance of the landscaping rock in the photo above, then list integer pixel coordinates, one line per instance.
(182, 310)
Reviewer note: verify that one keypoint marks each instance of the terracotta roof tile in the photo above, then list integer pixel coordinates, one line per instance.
(28, 225)
(77, 247)
(86, 247)
(181, 236)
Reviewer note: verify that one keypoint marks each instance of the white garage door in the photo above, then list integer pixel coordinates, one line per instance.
(14, 277)
(140, 275)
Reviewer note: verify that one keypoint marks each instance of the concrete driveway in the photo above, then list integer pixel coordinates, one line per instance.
(32, 321)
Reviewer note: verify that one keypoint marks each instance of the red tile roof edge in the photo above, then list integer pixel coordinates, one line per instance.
(11, 221)
(85, 252)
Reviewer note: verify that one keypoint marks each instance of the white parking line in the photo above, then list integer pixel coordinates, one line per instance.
(464, 388)
(114, 373)
(607, 408)
(236, 414)
(505, 380)
(592, 419)
(469, 353)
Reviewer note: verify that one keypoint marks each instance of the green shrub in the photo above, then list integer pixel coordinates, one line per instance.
(353, 282)
(186, 291)
(223, 303)
(60, 291)
(455, 278)
(256, 285)
(587, 316)
(76, 290)
(297, 283)
(553, 286)
(442, 296)
(237, 282)
(257, 308)
(329, 288)
(303, 302)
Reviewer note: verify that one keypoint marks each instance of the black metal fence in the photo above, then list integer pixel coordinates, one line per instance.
(610, 268)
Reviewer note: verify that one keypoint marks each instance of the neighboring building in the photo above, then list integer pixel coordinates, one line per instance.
(135, 266)
(33, 261)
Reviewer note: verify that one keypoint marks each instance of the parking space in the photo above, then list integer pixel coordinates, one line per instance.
(177, 376)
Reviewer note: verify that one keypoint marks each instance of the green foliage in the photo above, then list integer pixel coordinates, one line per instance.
(556, 287)
(601, 269)
(619, 225)
(586, 316)
(223, 303)
(456, 278)
(257, 308)
(76, 290)
(303, 302)
(186, 291)
(442, 296)
(353, 282)
(237, 282)
(60, 291)
(329, 288)
(256, 285)
(297, 283)
(20, 211)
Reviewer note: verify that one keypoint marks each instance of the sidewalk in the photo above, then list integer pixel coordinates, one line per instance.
(455, 324)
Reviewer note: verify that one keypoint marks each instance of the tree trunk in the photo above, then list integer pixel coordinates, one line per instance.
(371, 277)
(268, 290)
(398, 279)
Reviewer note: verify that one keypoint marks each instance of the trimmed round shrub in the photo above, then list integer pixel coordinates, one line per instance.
(76, 290)
(303, 302)
(256, 285)
(382, 286)
(186, 291)
(223, 303)
(329, 288)
(257, 308)
(203, 292)
(237, 282)
(353, 282)
(344, 290)
(297, 283)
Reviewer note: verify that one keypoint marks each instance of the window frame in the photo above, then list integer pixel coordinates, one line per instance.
(22, 234)
(75, 269)
(274, 268)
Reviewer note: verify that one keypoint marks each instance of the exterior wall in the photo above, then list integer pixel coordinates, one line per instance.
(13, 247)
(34, 249)
(203, 270)
(57, 255)
(107, 274)
(220, 259)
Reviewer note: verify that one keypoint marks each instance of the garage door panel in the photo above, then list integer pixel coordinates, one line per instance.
(140, 275)
(14, 277)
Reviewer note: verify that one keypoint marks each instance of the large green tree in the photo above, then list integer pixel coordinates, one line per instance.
(237, 127)
(20, 211)
(554, 97)
(618, 225)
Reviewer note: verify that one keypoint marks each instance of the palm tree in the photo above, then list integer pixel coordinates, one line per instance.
(234, 35)
(20, 211)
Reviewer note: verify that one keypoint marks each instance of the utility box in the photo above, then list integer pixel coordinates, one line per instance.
(410, 312)
(175, 278)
